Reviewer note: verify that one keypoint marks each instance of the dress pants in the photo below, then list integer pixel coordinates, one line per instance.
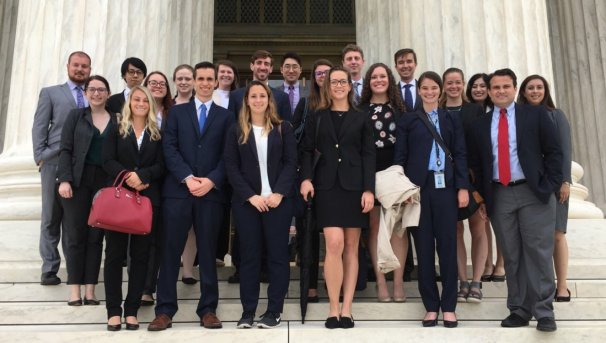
(257, 229)
(50, 221)
(84, 244)
(116, 246)
(155, 253)
(179, 214)
(437, 231)
(525, 228)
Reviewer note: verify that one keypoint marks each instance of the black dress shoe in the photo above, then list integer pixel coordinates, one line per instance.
(130, 326)
(235, 278)
(514, 321)
(430, 322)
(116, 327)
(77, 302)
(189, 280)
(347, 322)
(451, 323)
(332, 323)
(546, 324)
(49, 279)
(561, 298)
(91, 302)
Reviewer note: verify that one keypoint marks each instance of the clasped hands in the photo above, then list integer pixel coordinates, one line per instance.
(263, 204)
(199, 186)
(134, 182)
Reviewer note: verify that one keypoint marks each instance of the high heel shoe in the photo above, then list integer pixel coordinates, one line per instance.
(430, 322)
(130, 326)
(451, 323)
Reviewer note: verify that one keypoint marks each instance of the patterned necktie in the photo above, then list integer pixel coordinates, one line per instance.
(357, 92)
(79, 97)
(408, 98)
(202, 117)
(503, 148)
(291, 98)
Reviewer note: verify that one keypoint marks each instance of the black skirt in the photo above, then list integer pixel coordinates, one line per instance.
(338, 207)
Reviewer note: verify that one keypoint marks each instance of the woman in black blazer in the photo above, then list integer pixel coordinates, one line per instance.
(134, 146)
(382, 103)
(444, 182)
(81, 175)
(342, 183)
(455, 102)
(260, 161)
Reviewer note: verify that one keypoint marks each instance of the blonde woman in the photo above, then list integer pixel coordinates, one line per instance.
(135, 146)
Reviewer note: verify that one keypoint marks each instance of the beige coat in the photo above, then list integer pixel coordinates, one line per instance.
(393, 189)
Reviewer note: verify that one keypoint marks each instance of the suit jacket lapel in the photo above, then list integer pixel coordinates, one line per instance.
(68, 94)
(193, 115)
(209, 118)
(327, 123)
(252, 144)
(520, 118)
(349, 117)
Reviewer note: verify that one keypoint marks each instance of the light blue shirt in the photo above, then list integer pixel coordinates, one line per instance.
(437, 154)
(72, 87)
(514, 162)
(413, 90)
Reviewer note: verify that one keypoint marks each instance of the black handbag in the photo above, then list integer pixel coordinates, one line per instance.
(475, 199)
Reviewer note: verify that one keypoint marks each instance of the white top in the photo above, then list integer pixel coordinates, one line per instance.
(261, 142)
(221, 97)
(140, 139)
(159, 118)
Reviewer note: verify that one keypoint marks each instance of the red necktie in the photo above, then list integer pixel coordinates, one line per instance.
(503, 148)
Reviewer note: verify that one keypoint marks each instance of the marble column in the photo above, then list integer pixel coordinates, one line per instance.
(8, 21)
(476, 36)
(578, 39)
(163, 33)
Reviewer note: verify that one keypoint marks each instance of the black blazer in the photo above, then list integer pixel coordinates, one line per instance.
(347, 156)
(120, 153)
(242, 162)
(414, 142)
(280, 99)
(539, 152)
(76, 136)
(116, 102)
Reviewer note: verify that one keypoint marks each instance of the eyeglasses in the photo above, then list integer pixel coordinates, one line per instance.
(293, 67)
(93, 90)
(321, 73)
(133, 72)
(154, 83)
(341, 83)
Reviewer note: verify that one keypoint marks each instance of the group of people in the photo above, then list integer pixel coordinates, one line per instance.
(260, 152)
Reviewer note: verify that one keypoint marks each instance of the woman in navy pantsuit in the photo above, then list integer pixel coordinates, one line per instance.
(260, 160)
(444, 183)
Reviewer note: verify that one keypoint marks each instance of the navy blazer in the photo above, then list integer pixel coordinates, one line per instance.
(414, 143)
(242, 162)
(189, 152)
(539, 152)
(418, 104)
(280, 99)
(115, 103)
(122, 153)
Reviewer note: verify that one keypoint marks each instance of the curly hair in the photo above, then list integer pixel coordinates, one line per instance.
(395, 99)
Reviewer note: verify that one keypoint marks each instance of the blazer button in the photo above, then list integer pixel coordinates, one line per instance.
(136, 168)
(199, 146)
(339, 160)
(337, 146)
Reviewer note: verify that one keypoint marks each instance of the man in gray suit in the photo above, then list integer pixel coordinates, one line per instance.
(54, 105)
(291, 71)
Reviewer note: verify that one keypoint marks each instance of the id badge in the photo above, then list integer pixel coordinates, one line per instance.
(439, 180)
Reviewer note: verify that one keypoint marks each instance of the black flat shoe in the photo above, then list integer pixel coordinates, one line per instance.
(91, 302)
(451, 323)
(332, 323)
(148, 302)
(130, 326)
(486, 278)
(497, 278)
(77, 302)
(116, 327)
(430, 323)
(314, 299)
(189, 280)
(562, 299)
(347, 322)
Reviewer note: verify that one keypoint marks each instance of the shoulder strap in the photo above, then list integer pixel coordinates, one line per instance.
(435, 134)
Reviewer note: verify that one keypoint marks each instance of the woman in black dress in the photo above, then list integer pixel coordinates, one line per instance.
(383, 105)
(343, 183)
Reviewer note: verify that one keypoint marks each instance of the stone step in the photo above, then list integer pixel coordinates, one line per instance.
(313, 331)
(56, 313)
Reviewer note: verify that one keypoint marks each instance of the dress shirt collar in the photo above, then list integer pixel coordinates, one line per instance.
(199, 103)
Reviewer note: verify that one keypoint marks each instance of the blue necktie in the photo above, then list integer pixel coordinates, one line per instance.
(357, 92)
(202, 117)
(79, 97)
(408, 98)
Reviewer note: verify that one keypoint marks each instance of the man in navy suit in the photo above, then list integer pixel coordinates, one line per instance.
(133, 72)
(261, 64)
(517, 162)
(406, 64)
(193, 193)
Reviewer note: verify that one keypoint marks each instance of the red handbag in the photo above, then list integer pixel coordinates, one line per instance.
(119, 209)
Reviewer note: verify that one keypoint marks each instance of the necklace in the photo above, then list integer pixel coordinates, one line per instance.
(339, 113)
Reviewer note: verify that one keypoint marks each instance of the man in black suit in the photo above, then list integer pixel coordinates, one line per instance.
(261, 64)
(193, 194)
(133, 72)
(406, 64)
(517, 162)
(291, 69)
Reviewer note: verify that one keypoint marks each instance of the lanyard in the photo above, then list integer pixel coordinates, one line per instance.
(437, 148)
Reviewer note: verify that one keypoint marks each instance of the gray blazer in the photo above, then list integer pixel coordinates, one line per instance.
(54, 105)
(563, 128)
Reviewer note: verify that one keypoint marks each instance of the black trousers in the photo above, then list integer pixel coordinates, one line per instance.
(437, 231)
(155, 253)
(271, 229)
(84, 244)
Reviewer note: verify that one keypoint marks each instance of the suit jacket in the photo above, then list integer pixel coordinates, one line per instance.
(539, 153)
(116, 102)
(414, 143)
(280, 99)
(347, 156)
(77, 134)
(121, 153)
(563, 130)
(54, 106)
(303, 92)
(242, 162)
(189, 152)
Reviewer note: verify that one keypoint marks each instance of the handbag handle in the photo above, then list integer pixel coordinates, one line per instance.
(118, 186)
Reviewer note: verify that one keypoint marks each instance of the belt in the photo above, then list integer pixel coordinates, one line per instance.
(512, 183)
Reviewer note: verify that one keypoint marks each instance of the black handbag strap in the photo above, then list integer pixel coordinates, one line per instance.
(435, 134)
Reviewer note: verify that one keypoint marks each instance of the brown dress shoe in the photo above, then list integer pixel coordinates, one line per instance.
(211, 321)
(161, 322)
